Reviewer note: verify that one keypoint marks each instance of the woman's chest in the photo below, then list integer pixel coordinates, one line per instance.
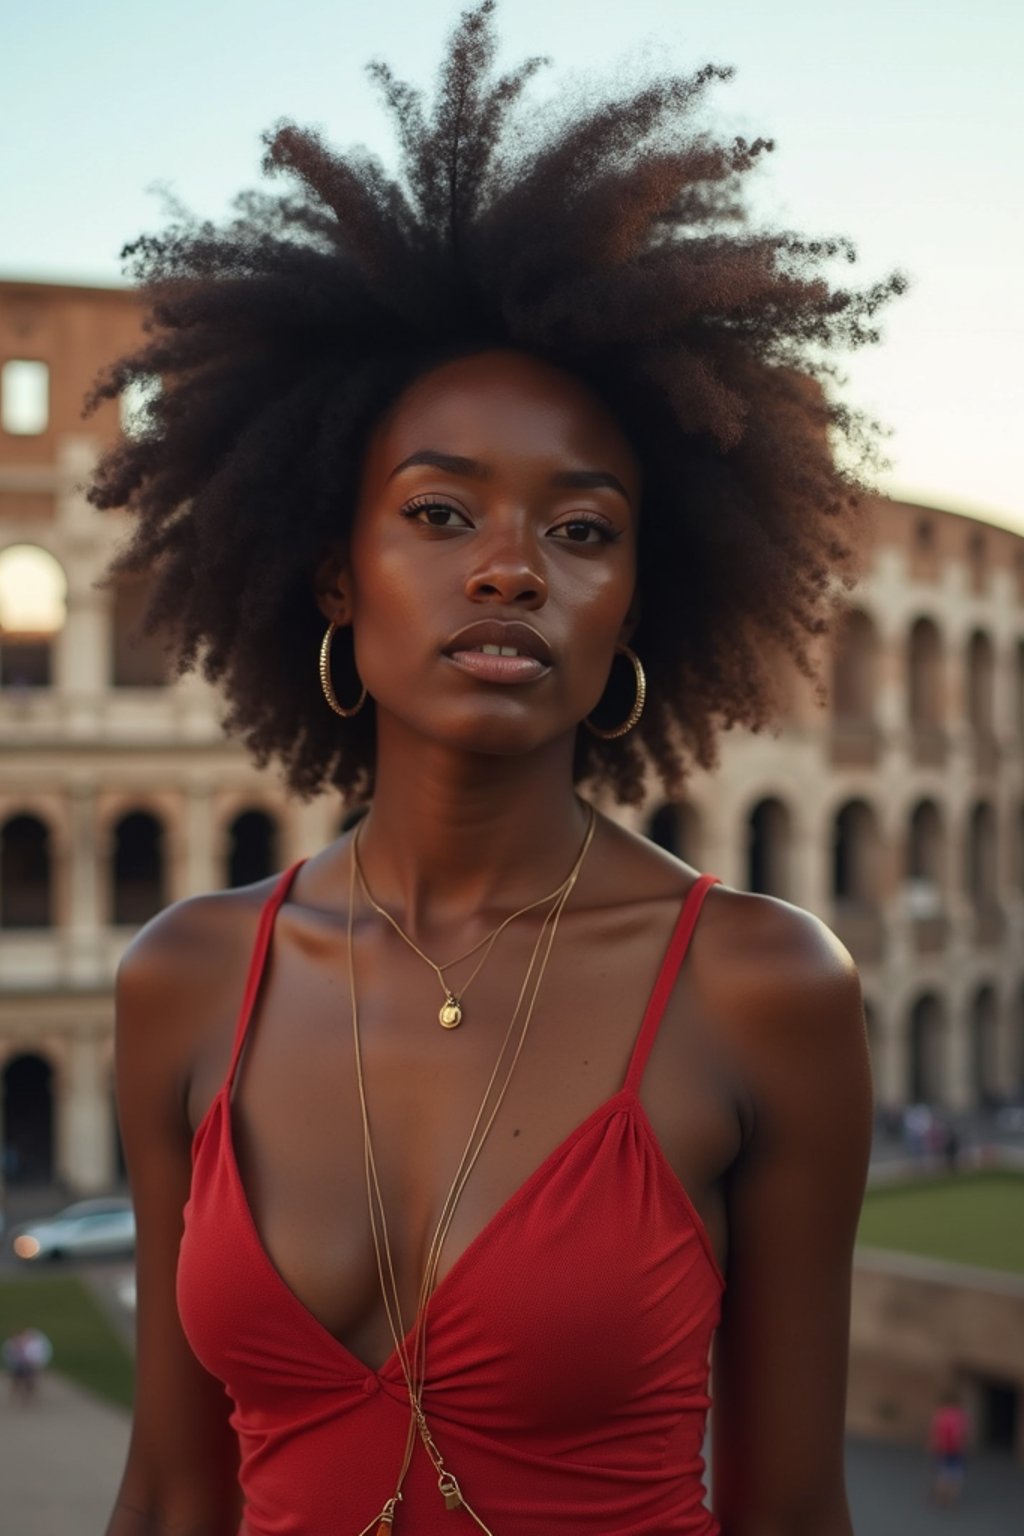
(297, 1125)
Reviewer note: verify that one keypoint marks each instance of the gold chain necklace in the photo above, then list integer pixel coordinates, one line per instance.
(413, 1364)
(451, 1012)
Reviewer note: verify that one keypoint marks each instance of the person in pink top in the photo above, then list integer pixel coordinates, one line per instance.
(948, 1436)
(490, 491)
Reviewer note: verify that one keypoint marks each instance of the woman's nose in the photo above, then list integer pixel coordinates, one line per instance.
(508, 572)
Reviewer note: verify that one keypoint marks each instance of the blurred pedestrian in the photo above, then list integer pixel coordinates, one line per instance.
(951, 1148)
(947, 1443)
(917, 1124)
(26, 1355)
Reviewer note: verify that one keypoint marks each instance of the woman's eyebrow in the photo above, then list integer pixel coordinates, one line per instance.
(587, 479)
(456, 464)
(453, 463)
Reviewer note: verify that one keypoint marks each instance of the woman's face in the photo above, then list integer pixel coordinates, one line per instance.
(497, 511)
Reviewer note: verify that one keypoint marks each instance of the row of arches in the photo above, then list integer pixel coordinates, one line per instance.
(928, 1043)
(855, 851)
(859, 867)
(856, 664)
(137, 867)
(29, 1103)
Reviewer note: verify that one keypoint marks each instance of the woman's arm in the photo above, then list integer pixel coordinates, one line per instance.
(794, 1194)
(181, 1474)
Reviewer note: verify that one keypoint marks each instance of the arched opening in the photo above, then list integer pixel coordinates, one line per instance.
(137, 660)
(33, 609)
(675, 826)
(138, 869)
(982, 855)
(984, 1047)
(856, 882)
(252, 848)
(855, 670)
(924, 676)
(768, 844)
(856, 847)
(28, 1120)
(926, 1036)
(982, 873)
(661, 827)
(925, 851)
(980, 682)
(26, 886)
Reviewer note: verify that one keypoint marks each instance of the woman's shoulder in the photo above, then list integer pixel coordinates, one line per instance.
(180, 980)
(195, 937)
(752, 955)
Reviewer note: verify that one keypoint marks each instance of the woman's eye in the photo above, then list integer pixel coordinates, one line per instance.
(436, 514)
(584, 530)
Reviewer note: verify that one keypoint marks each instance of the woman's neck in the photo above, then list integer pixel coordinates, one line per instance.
(454, 834)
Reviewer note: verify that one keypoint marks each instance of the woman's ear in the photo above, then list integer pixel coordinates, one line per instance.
(332, 588)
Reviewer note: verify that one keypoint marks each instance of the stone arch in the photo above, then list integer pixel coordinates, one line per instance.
(856, 848)
(925, 701)
(926, 1039)
(33, 610)
(926, 854)
(138, 868)
(769, 839)
(984, 1026)
(28, 1119)
(253, 846)
(980, 681)
(26, 873)
(675, 826)
(855, 669)
(982, 853)
(136, 660)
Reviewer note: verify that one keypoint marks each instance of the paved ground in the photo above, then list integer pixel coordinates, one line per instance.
(60, 1462)
(888, 1487)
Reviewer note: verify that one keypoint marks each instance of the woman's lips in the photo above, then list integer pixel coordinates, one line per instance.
(500, 651)
(488, 668)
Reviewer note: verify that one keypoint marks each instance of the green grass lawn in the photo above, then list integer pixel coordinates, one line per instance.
(85, 1347)
(966, 1218)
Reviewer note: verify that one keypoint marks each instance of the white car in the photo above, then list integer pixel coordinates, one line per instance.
(79, 1231)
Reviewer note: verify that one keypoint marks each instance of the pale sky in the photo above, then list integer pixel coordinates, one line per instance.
(897, 122)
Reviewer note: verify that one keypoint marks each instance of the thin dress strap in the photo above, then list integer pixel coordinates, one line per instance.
(260, 950)
(666, 978)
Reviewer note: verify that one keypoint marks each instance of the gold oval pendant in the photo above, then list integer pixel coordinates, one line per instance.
(450, 1016)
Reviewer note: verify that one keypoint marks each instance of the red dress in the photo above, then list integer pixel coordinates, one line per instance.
(569, 1344)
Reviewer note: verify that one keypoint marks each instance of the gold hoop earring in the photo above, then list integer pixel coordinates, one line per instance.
(638, 703)
(325, 677)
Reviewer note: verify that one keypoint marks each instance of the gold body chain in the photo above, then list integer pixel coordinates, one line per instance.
(414, 1364)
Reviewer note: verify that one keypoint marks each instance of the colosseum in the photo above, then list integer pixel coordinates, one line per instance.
(895, 812)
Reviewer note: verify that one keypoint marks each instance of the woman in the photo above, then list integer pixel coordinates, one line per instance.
(472, 488)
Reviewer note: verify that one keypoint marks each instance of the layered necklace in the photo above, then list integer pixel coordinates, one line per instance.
(452, 1010)
(412, 1355)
